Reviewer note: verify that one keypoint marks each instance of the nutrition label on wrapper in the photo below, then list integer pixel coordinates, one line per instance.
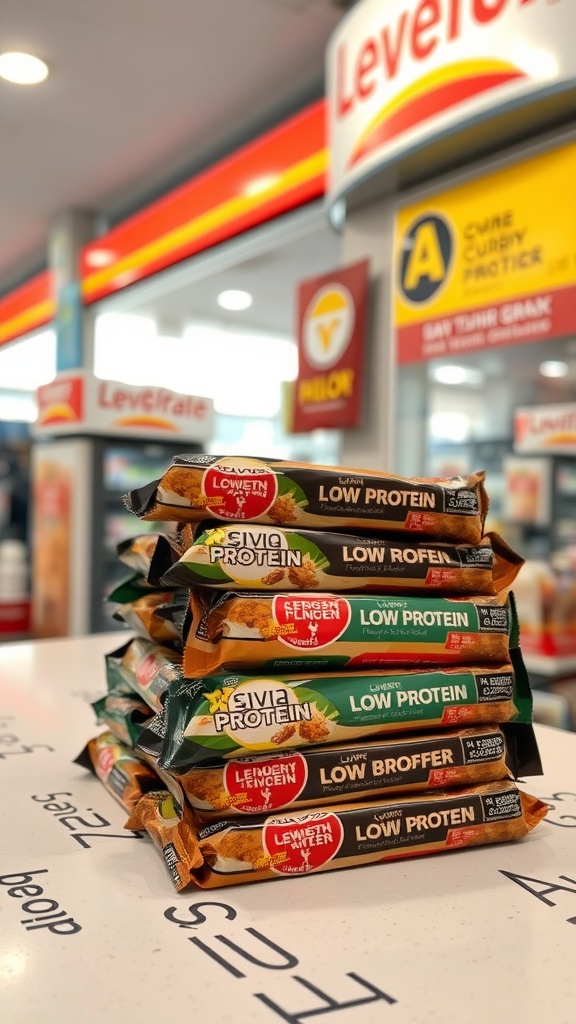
(93, 930)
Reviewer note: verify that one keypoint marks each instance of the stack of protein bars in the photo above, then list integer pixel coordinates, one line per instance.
(352, 687)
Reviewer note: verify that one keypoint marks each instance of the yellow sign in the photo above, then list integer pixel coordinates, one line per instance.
(491, 262)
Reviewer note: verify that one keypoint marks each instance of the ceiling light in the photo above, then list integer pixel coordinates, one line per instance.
(234, 299)
(450, 374)
(22, 68)
(554, 368)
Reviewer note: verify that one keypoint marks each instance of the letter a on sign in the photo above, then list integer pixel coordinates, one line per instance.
(426, 257)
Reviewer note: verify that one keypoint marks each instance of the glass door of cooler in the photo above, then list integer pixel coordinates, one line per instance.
(121, 466)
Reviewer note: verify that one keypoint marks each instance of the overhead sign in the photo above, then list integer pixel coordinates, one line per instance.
(331, 329)
(77, 403)
(402, 75)
(545, 428)
(491, 262)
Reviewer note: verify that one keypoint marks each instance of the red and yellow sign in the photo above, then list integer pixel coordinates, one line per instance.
(546, 428)
(26, 308)
(406, 77)
(76, 402)
(489, 263)
(331, 328)
(279, 171)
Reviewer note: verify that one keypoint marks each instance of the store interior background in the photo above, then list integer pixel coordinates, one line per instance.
(169, 330)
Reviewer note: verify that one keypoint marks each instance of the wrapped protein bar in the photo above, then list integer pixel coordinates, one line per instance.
(232, 715)
(157, 616)
(305, 632)
(123, 715)
(325, 838)
(256, 557)
(295, 494)
(353, 771)
(124, 776)
(143, 668)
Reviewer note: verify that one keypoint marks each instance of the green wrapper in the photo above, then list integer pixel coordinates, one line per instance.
(228, 715)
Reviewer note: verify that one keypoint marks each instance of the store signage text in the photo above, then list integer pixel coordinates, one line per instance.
(488, 263)
(412, 36)
(40, 911)
(246, 948)
(76, 402)
(150, 401)
(331, 328)
(406, 75)
(545, 428)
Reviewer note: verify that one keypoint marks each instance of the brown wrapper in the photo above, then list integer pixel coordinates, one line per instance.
(142, 617)
(344, 835)
(236, 488)
(267, 783)
(256, 557)
(315, 633)
(124, 776)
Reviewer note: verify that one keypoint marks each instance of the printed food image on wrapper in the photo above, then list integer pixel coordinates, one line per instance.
(228, 715)
(337, 836)
(236, 489)
(327, 774)
(256, 557)
(305, 632)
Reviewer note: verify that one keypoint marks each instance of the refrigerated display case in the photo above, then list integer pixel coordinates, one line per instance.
(78, 519)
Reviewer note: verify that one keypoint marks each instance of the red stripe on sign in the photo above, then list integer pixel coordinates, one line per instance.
(519, 321)
(428, 105)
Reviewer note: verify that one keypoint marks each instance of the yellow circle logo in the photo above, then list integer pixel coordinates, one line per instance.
(328, 326)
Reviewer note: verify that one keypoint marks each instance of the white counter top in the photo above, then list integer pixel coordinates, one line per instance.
(459, 937)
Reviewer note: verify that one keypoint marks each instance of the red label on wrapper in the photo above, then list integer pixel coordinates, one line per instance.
(305, 844)
(257, 786)
(239, 492)
(310, 623)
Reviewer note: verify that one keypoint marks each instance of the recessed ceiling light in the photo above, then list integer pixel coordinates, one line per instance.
(234, 299)
(22, 68)
(450, 374)
(554, 368)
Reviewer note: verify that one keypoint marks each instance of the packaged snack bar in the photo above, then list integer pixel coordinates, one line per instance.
(144, 668)
(305, 632)
(123, 715)
(326, 838)
(232, 715)
(123, 774)
(150, 554)
(256, 557)
(137, 552)
(234, 489)
(354, 771)
(147, 616)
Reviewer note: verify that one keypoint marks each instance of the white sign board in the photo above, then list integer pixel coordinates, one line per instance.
(78, 403)
(402, 75)
(545, 428)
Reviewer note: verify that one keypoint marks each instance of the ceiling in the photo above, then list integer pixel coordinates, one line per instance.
(140, 96)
